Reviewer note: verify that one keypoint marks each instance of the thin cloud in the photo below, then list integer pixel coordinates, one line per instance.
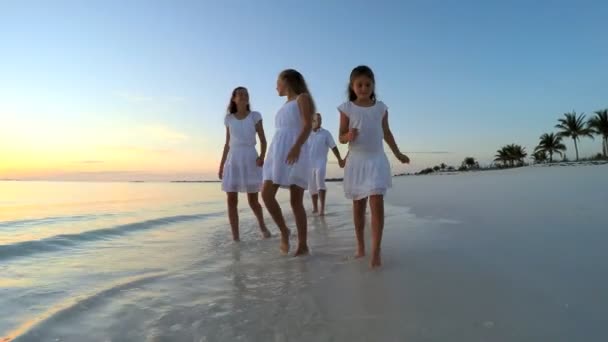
(135, 97)
(176, 99)
(90, 161)
(136, 149)
(163, 133)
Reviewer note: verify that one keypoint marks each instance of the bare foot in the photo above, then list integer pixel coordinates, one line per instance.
(376, 261)
(314, 211)
(302, 250)
(360, 254)
(322, 213)
(266, 234)
(285, 242)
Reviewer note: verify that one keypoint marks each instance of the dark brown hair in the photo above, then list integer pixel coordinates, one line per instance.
(232, 105)
(296, 82)
(361, 70)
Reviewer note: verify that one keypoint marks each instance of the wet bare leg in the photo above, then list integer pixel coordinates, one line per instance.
(322, 197)
(359, 207)
(233, 214)
(254, 203)
(376, 204)
(269, 193)
(315, 207)
(299, 213)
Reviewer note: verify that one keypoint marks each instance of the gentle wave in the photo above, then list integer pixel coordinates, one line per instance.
(25, 330)
(55, 220)
(59, 242)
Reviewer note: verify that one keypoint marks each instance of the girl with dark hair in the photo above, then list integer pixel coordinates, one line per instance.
(363, 125)
(241, 167)
(288, 162)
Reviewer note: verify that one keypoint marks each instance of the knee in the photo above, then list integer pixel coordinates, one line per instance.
(233, 201)
(296, 201)
(267, 196)
(253, 202)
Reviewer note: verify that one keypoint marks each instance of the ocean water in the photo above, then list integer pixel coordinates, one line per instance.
(514, 255)
(150, 262)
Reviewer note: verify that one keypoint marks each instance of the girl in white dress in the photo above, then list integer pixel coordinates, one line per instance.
(288, 162)
(363, 125)
(241, 167)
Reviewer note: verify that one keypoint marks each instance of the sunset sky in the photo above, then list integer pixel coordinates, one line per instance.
(137, 90)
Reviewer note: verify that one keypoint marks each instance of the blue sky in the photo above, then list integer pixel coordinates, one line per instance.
(138, 89)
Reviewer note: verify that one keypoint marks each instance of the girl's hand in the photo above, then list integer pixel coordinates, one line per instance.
(220, 174)
(294, 155)
(403, 158)
(352, 134)
(259, 162)
(342, 163)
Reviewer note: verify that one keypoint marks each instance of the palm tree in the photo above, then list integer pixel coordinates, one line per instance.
(550, 143)
(539, 156)
(599, 125)
(443, 166)
(573, 126)
(469, 162)
(517, 153)
(502, 156)
(510, 154)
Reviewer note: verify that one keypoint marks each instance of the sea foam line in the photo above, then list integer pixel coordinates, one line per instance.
(62, 241)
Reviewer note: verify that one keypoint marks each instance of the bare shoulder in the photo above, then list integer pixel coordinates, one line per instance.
(304, 98)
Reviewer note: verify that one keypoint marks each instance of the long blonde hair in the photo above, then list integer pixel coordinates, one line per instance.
(296, 82)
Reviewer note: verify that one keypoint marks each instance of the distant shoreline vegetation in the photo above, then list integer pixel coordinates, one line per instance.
(571, 125)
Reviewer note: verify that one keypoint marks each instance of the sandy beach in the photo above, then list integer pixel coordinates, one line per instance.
(512, 255)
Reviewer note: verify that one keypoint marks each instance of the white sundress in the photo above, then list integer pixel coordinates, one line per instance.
(367, 171)
(241, 173)
(288, 124)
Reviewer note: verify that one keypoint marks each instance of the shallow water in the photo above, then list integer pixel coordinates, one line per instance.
(494, 256)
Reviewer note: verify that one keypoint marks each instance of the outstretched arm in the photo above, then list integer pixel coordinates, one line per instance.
(338, 156)
(390, 140)
(329, 140)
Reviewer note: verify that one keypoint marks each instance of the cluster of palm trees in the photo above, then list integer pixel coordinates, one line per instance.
(573, 126)
(469, 163)
(511, 155)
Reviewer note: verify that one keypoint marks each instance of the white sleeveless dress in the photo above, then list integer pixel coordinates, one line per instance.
(241, 173)
(288, 124)
(367, 171)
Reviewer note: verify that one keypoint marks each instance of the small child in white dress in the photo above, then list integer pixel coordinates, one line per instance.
(288, 163)
(241, 167)
(363, 125)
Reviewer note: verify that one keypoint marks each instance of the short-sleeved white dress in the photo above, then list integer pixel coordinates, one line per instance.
(367, 171)
(241, 173)
(288, 124)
